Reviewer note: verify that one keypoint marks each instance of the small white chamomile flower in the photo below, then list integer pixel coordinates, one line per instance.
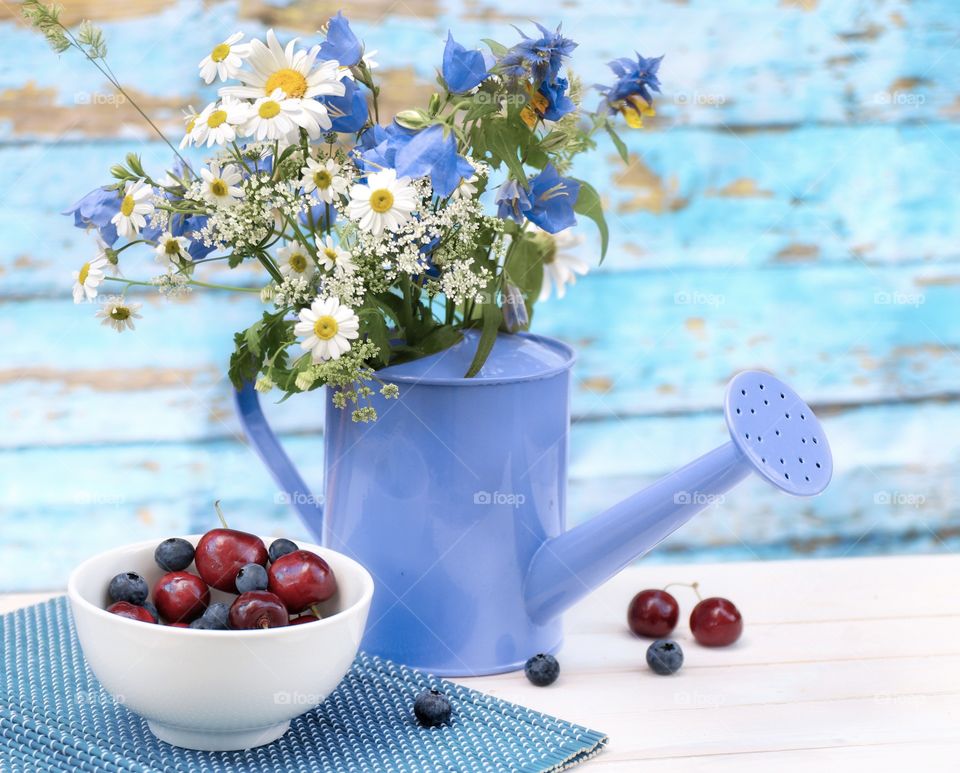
(385, 202)
(221, 187)
(217, 123)
(225, 60)
(333, 257)
(136, 204)
(324, 178)
(190, 117)
(88, 278)
(294, 260)
(467, 189)
(273, 118)
(119, 315)
(327, 329)
(172, 250)
(560, 265)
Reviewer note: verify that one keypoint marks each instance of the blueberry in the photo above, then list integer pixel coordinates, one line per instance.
(542, 670)
(664, 657)
(214, 618)
(174, 554)
(432, 708)
(151, 609)
(280, 547)
(251, 577)
(128, 586)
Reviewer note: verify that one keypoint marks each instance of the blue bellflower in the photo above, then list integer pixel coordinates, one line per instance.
(512, 201)
(554, 198)
(542, 56)
(558, 103)
(463, 69)
(341, 44)
(349, 113)
(95, 210)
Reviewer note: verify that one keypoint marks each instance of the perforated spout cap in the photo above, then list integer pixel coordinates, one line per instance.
(778, 433)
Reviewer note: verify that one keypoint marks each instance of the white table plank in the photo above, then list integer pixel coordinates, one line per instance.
(844, 664)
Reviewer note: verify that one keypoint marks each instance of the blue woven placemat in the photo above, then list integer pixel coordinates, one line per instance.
(55, 716)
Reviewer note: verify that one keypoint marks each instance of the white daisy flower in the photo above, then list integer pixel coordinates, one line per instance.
(467, 189)
(136, 204)
(384, 202)
(88, 278)
(225, 60)
(190, 117)
(333, 256)
(119, 315)
(221, 187)
(327, 329)
(296, 261)
(172, 250)
(296, 73)
(217, 123)
(560, 265)
(323, 177)
(273, 118)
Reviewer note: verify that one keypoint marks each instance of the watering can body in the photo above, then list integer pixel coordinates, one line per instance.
(454, 498)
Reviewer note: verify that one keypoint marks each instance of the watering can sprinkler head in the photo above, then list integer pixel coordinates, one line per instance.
(773, 433)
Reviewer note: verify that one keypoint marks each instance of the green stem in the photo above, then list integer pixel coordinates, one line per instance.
(194, 282)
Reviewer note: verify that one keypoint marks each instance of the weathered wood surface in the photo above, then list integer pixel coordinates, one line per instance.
(830, 673)
(792, 207)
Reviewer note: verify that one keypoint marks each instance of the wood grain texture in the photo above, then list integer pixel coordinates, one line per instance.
(792, 207)
(830, 673)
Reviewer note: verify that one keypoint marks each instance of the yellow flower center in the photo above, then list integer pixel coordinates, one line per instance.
(171, 247)
(218, 187)
(269, 109)
(220, 52)
(298, 263)
(290, 82)
(326, 327)
(191, 123)
(216, 118)
(84, 273)
(127, 205)
(381, 200)
(330, 253)
(322, 179)
(119, 313)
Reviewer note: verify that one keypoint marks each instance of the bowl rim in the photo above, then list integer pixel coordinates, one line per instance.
(76, 598)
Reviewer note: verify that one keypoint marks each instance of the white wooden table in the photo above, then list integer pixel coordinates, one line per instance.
(844, 665)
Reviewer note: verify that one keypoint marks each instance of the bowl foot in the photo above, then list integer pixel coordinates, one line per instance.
(216, 741)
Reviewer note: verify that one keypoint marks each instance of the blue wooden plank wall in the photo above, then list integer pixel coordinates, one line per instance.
(794, 206)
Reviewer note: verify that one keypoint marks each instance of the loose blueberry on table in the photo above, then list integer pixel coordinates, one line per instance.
(432, 708)
(542, 670)
(664, 657)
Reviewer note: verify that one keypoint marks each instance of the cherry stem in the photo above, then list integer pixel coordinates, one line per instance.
(694, 585)
(316, 611)
(263, 622)
(216, 506)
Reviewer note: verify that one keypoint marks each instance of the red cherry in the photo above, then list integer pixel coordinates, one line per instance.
(221, 553)
(180, 596)
(653, 613)
(178, 625)
(131, 611)
(258, 609)
(716, 622)
(301, 579)
(303, 619)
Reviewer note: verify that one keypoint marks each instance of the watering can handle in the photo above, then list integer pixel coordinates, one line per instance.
(270, 451)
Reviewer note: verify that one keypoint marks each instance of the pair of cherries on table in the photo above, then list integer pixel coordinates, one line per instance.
(276, 587)
(714, 622)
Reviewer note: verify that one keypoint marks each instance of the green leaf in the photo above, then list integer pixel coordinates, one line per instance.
(498, 49)
(589, 205)
(492, 317)
(524, 268)
(503, 141)
(618, 143)
(442, 337)
(374, 327)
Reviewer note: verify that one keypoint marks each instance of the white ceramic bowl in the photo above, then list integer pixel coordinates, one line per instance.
(216, 690)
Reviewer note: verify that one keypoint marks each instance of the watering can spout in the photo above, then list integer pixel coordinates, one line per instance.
(773, 433)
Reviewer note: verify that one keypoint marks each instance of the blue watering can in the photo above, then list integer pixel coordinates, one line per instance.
(454, 498)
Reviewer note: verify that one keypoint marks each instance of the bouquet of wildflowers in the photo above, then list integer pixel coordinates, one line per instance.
(377, 243)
